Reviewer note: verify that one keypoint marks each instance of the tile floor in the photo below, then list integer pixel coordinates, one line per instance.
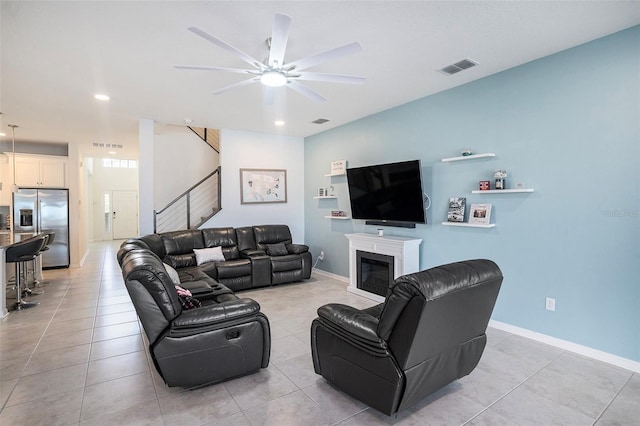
(79, 359)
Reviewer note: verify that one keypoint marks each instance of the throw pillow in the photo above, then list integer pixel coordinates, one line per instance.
(277, 249)
(213, 254)
(173, 274)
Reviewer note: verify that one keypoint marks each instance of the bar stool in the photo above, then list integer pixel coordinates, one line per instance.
(50, 235)
(20, 253)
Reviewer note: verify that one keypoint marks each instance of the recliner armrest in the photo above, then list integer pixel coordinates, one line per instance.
(297, 248)
(209, 315)
(248, 253)
(352, 321)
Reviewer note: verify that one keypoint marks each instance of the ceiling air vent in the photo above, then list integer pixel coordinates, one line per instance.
(458, 66)
(320, 121)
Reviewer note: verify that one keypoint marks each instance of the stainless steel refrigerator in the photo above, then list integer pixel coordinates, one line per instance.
(38, 210)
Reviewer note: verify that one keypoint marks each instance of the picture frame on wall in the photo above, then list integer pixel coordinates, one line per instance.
(259, 186)
(480, 214)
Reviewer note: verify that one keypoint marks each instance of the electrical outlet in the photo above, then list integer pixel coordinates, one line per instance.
(321, 257)
(550, 304)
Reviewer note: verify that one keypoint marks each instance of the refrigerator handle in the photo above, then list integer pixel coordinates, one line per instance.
(39, 216)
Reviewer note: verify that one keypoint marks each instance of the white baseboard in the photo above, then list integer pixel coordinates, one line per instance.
(542, 338)
(569, 346)
(330, 275)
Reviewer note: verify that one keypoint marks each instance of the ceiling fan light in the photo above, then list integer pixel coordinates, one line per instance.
(273, 79)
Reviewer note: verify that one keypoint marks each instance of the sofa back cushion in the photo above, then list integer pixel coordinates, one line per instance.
(222, 237)
(179, 245)
(441, 307)
(245, 238)
(271, 234)
(154, 241)
(152, 291)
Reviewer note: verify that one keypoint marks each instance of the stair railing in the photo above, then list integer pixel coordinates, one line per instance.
(191, 208)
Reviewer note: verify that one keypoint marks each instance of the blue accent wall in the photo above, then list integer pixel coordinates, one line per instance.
(566, 125)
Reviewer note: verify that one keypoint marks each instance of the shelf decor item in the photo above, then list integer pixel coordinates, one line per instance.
(339, 167)
(338, 213)
(263, 186)
(500, 176)
(485, 185)
(322, 192)
(456, 209)
(480, 214)
(466, 153)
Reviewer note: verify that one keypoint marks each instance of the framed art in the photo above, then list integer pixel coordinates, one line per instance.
(456, 209)
(263, 186)
(480, 213)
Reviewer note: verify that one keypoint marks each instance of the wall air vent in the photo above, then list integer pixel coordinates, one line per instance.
(458, 66)
(107, 145)
(320, 121)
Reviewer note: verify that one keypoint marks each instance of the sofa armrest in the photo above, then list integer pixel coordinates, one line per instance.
(297, 248)
(249, 253)
(350, 321)
(214, 314)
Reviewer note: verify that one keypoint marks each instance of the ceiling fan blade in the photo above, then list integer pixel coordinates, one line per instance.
(279, 38)
(205, 68)
(329, 55)
(226, 46)
(331, 78)
(305, 91)
(235, 85)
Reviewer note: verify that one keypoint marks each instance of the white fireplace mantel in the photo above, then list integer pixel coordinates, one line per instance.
(405, 252)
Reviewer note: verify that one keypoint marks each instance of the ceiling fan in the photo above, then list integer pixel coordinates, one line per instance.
(275, 72)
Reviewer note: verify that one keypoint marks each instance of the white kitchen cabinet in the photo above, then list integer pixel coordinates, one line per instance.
(40, 171)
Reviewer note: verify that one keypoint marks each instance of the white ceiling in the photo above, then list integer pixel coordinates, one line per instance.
(56, 54)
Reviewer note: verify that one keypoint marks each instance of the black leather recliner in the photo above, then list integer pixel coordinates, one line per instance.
(429, 331)
(225, 338)
(293, 263)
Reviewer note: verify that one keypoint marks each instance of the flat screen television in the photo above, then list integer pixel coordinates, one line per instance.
(387, 194)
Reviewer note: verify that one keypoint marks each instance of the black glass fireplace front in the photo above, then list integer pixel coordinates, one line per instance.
(374, 272)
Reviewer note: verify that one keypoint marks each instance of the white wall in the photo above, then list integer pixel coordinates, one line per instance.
(181, 160)
(261, 151)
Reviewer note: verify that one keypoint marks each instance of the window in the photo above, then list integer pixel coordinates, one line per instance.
(121, 164)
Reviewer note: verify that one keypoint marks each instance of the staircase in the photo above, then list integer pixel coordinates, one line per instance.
(197, 204)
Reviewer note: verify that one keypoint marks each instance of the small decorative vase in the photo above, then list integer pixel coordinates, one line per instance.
(500, 184)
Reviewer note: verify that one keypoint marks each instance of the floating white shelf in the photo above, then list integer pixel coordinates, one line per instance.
(337, 217)
(469, 225)
(468, 157)
(324, 197)
(501, 191)
(336, 174)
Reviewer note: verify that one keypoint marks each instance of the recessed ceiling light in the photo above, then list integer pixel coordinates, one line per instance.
(3, 134)
(101, 97)
(112, 152)
(279, 123)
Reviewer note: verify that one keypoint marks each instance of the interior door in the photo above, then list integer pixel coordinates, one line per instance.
(124, 214)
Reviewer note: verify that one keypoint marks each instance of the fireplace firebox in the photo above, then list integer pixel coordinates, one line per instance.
(375, 272)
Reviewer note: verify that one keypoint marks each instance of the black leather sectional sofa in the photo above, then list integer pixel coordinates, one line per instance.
(254, 256)
(227, 336)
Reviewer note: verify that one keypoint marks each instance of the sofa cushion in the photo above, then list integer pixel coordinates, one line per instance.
(222, 237)
(193, 273)
(206, 255)
(233, 268)
(277, 249)
(180, 260)
(286, 263)
(173, 274)
(271, 234)
(182, 242)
